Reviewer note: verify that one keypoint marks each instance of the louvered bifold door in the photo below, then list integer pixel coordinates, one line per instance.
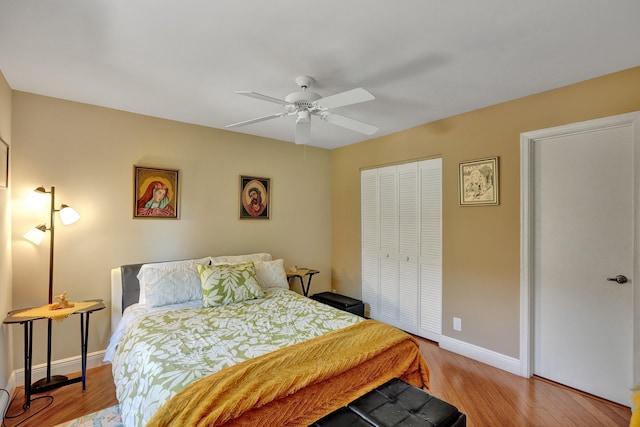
(430, 324)
(388, 187)
(370, 240)
(402, 246)
(408, 199)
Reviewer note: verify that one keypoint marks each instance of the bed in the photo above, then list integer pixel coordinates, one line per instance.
(184, 352)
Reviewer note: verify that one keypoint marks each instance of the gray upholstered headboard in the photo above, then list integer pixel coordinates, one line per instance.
(130, 284)
(125, 290)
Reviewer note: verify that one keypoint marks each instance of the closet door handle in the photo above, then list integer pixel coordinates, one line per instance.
(619, 278)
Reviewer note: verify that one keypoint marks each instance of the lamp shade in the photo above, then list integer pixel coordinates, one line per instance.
(68, 215)
(36, 234)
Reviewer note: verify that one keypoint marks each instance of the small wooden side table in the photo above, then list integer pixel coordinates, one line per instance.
(300, 273)
(48, 383)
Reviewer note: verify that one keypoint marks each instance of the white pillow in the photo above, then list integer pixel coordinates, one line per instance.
(240, 259)
(170, 282)
(271, 274)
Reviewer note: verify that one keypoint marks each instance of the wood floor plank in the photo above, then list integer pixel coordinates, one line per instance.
(66, 403)
(488, 396)
(493, 397)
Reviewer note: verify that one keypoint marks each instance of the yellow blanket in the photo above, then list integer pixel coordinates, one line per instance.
(635, 416)
(299, 384)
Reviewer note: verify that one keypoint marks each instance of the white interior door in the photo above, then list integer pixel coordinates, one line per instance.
(583, 236)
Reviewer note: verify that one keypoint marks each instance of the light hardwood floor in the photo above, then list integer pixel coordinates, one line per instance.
(489, 396)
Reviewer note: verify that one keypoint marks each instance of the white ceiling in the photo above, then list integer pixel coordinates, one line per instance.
(423, 60)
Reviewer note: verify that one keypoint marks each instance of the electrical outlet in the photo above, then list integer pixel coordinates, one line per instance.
(457, 324)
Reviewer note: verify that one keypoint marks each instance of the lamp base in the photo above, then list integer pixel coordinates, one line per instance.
(44, 384)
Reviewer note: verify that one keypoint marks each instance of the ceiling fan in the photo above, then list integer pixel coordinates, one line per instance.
(303, 104)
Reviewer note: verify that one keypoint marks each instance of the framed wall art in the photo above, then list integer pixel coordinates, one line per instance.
(4, 164)
(479, 183)
(255, 197)
(156, 193)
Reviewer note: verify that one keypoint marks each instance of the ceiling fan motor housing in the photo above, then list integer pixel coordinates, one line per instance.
(303, 100)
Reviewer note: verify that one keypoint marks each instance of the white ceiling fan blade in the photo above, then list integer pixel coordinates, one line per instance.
(349, 123)
(257, 120)
(353, 96)
(303, 132)
(262, 97)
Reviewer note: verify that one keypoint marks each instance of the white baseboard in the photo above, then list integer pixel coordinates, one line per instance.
(4, 398)
(10, 386)
(59, 367)
(492, 358)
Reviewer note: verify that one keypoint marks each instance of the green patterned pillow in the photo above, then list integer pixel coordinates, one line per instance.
(226, 284)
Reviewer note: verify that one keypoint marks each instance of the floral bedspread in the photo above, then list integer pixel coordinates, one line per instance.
(164, 350)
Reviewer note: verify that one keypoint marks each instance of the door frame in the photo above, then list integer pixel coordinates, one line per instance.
(527, 171)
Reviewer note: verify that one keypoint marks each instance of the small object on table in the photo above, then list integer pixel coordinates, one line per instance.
(63, 303)
(300, 273)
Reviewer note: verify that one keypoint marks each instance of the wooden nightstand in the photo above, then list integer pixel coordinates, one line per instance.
(300, 273)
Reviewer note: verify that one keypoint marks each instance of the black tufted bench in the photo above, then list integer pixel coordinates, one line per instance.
(395, 403)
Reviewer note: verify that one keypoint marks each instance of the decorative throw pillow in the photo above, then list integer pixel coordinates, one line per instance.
(226, 284)
(271, 274)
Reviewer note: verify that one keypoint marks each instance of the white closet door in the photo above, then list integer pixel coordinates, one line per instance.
(370, 240)
(408, 247)
(402, 246)
(388, 186)
(430, 325)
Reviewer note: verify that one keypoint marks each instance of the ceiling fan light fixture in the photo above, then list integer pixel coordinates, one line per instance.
(303, 117)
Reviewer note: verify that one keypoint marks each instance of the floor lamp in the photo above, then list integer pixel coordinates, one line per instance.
(35, 235)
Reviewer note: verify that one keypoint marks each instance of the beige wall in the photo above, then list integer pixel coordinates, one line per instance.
(88, 154)
(5, 244)
(481, 246)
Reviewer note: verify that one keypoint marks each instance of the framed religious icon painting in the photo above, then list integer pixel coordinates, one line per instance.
(156, 193)
(479, 183)
(255, 197)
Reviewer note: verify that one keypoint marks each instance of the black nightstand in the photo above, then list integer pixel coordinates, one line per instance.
(50, 383)
(341, 302)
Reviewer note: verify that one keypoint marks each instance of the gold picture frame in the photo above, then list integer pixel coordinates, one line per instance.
(479, 183)
(156, 193)
(255, 197)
